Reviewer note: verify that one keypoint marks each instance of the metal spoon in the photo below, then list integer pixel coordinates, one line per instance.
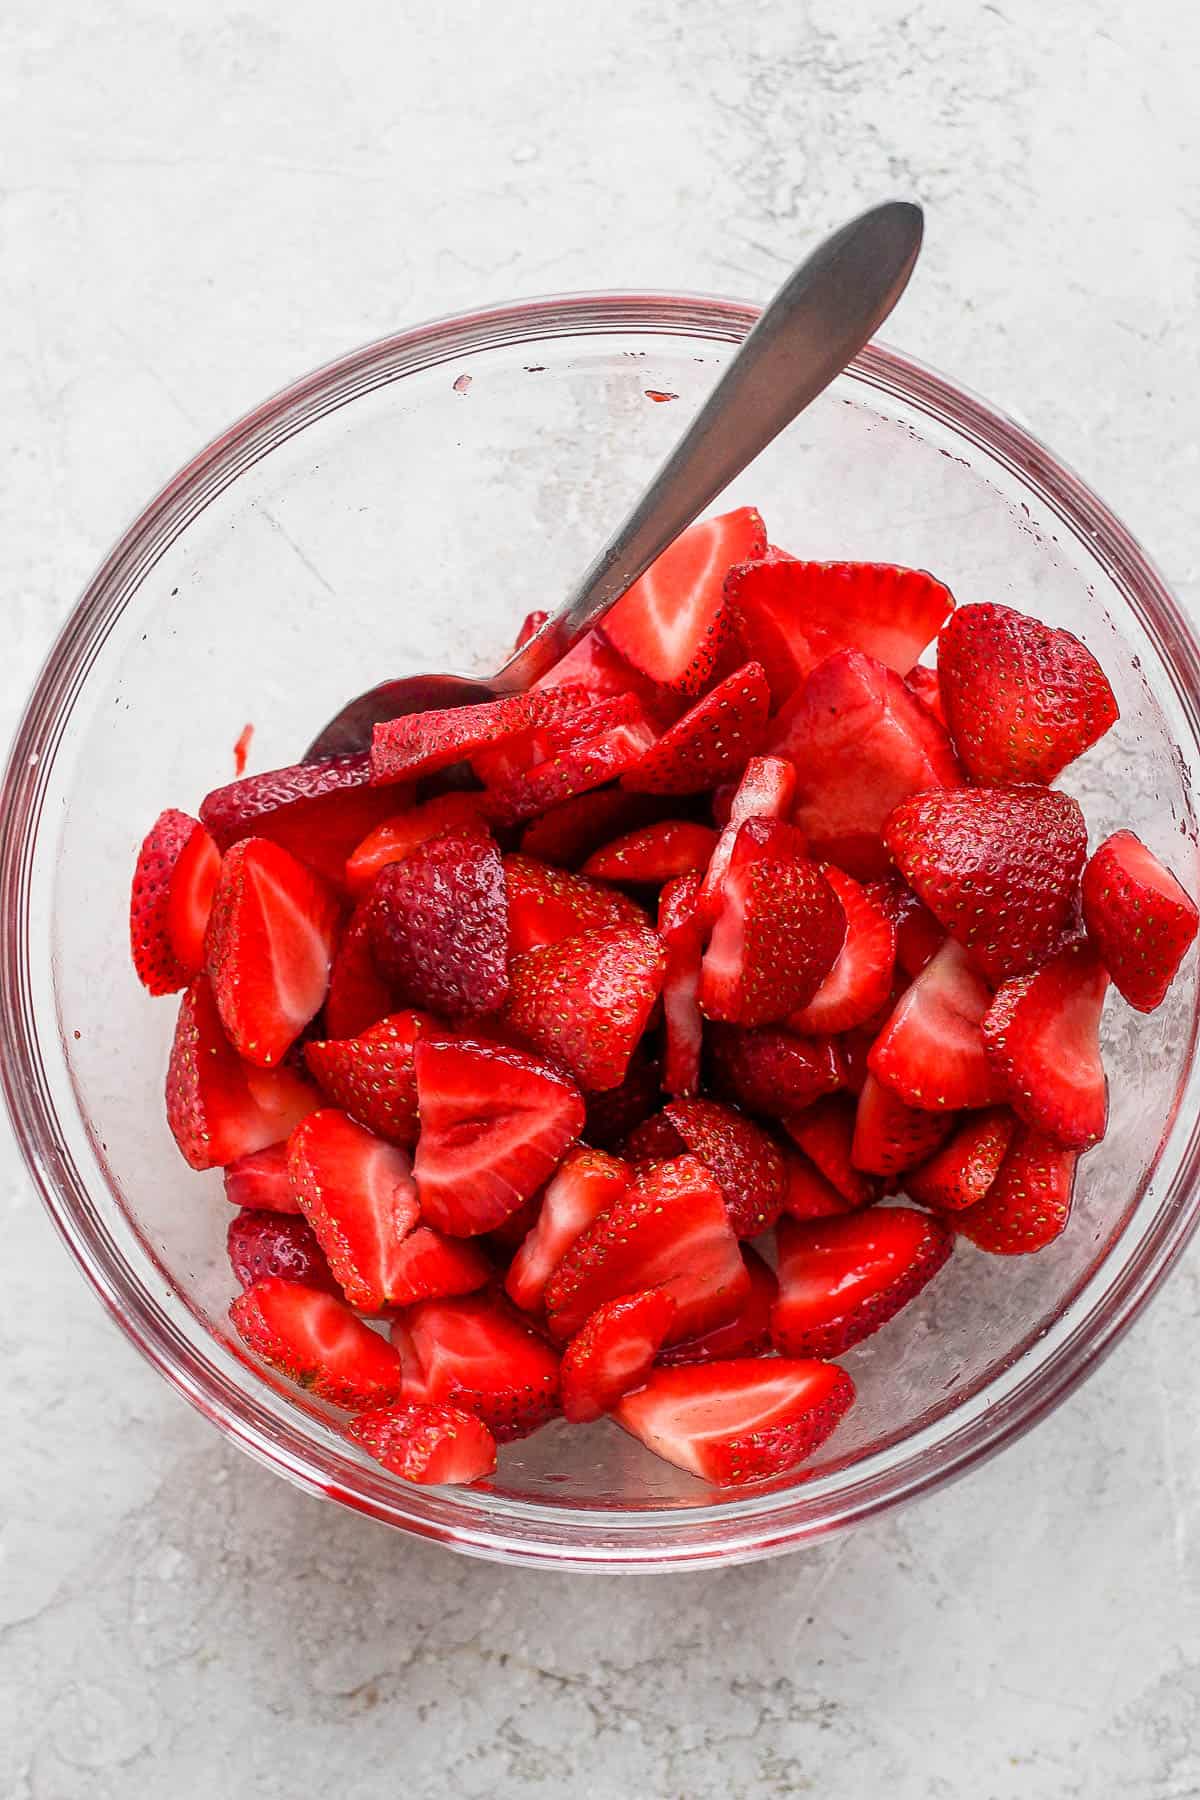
(821, 317)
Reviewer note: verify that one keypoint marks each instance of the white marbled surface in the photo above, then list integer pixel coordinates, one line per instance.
(198, 202)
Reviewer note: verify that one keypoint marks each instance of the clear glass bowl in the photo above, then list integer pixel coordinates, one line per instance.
(400, 510)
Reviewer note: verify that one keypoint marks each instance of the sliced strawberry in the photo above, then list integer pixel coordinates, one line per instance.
(260, 1182)
(1139, 918)
(546, 904)
(746, 1164)
(769, 625)
(765, 791)
(404, 832)
(841, 1279)
(672, 623)
(611, 1116)
(743, 1420)
(998, 867)
(318, 812)
(669, 1229)
(568, 833)
(173, 884)
(748, 1333)
(262, 1244)
(427, 1266)
(825, 1133)
(218, 1107)
(315, 1340)
(655, 853)
(439, 1446)
(588, 1182)
(372, 1077)
(1042, 1038)
(357, 1193)
(480, 1354)
(507, 1237)
(772, 1072)
(931, 1051)
(654, 1140)
(712, 742)
(495, 1123)
(777, 935)
(614, 1353)
(860, 745)
(1028, 1204)
(807, 1194)
(918, 935)
(890, 1136)
(964, 1169)
(420, 743)
(439, 926)
(620, 736)
(1022, 699)
(861, 979)
(682, 934)
(889, 613)
(596, 666)
(586, 1001)
(923, 684)
(270, 944)
(531, 624)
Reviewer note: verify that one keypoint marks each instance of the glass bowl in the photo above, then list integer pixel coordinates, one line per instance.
(401, 510)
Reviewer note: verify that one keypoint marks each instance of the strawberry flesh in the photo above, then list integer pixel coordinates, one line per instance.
(808, 1194)
(433, 1445)
(1139, 918)
(619, 735)
(220, 1108)
(586, 1001)
(587, 1183)
(931, 1050)
(404, 832)
(358, 995)
(174, 881)
(682, 933)
(765, 791)
(961, 1173)
(439, 926)
(614, 1353)
(422, 743)
(478, 1353)
(546, 904)
(357, 1193)
(1042, 1038)
(842, 1279)
(259, 1181)
(890, 1136)
(825, 1133)
(772, 1072)
(425, 1265)
(316, 1341)
(889, 613)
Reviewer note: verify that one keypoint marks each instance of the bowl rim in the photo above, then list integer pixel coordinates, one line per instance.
(484, 1523)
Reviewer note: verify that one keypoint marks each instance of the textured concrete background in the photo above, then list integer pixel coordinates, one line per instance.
(198, 202)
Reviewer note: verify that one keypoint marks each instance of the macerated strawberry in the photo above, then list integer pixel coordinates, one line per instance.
(480, 1354)
(918, 935)
(891, 1136)
(765, 791)
(619, 735)
(931, 1051)
(403, 832)
(611, 1116)
(317, 811)
(358, 995)
(269, 946)
(923, 684)
(672, 623)
(506, 1238)
(712, 742)
(776, 936)
(546, 904)
(262, 1244)
(439, 926)
(746, 1164)
(439, 1446)
(761, 608)
(614, 1352)
(259, 1181)
(594, 664)
(748, 1333)
(654, 1140)
(841, 1279)
(1139, 918)
(1042, 1038)
(654, 853)
(1022, 699)
(586, 1001)
(425, 1265)
(669, 1229)
(682, 932)
(825, 1133)
(743, 1420)
(1028, 1204)
(587, 1183)
(420, 743)
(772, 1072)
(371, 1076)
(963, 1170)
(568, 832)
(807, 1194)
(998, 867)
(890, 613)
(315, 1340)
(860, 980)
(220, 1108)
(495, 1124)
(860, 744)
(357, 1193)
(173, 884)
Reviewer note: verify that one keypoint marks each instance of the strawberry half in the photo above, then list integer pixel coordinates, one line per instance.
(1042, 1037)
(404, 832)
(357, 1193)
(568, 833)
(748, 1333)
(263, 1244)
(260, 1182)
(495, 1123)
(825, 1133)
(669, 1229)
(772, 1072)
(746, 1164)
(481, 1355)
(546, 904)
(439, 926)
(317, 812)
(743, 1420)
(672, 623)
(860, 981)
(618, 735)
(1028, 1204)
(890, 1136)
(427, 1266)
(358, 994)
(421, 743)
(614, 1353)
(682, 934)
(998, 867)
(841, 1279)
(372, 1077)
(439, 1446)
(655, 853)
(270, 943)
(931, 1051)
(964, 1169)
(1022, 699)
(218, 1107)
(316, 1341)
(1139, 918)
(586, 1001)
(712, 742)
(173, 884)
(765, 791)
(588, 1182)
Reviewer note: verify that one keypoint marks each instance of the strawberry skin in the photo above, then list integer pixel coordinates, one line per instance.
(1022, 699)
(262, 1244)
(439, 926)
(372, 1077)
(748, 1333)
(479, 1354)
(259, 1181)
(860, 980)
(841, 1279)
(712, 742)
(998, 867)
(772, 1072)
(588, 1182)
(427, 1266)
(357, 1193)
(1139, 917)
(746, 1164)
(404, 832)
(1042, 1037)
(931, 1051)
(655, 853)
(586, 1001)
(613, 1353)
(682, 933)
(173, 884)
(358, 995)
(546, 904)
(421, 743)
(316, 1341)
(961, 1173)
(317, 812)
(889, 1136)
(1029, 1202)
(433, 1445)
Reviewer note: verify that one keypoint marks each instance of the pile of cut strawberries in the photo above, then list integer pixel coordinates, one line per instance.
(564, 1055)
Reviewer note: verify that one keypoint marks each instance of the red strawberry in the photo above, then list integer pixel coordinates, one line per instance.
(682, 934)
(748, 1333)
(316, 1341)
(669, 1229)
(890, 1136)
(420, 743)
(655, 853)
(619, 736)
(891, 614)
(1139, 918)
(173, 885)
(586, 1001)
(372, 1076)
(860, 980)
(404, 832)
(588, 1182)
(772, 1072)
(777, 934)
(712, 742)
(259, 1181)
(218, 1107)
(747, 1165)
(494, 1125)
(357, 1193)
(1022, 699)
(262, 1244)
(807, 1194)
(439, 926)
(611, 1116)
(923, 684)
(546, 904)
(841, 1279)
(825, 1133)
(434, 1445)
(764, 792)
(1042, 1037)
(961, 1173)
(743, 1420)
(270, 943)
(531, 624)
(480, 1354)
(427, 1266)
(317, 812)
(569, 832)
(507, 1237)
(655, 1140)
(931, 1051)
(918, 935)
(768, 623)
(614, 1352)
(596, 666)
(1028, 1204)
(672, 623)
(358, 994)
(860, 744)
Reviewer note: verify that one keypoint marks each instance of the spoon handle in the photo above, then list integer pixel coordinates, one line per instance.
(821, 317)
